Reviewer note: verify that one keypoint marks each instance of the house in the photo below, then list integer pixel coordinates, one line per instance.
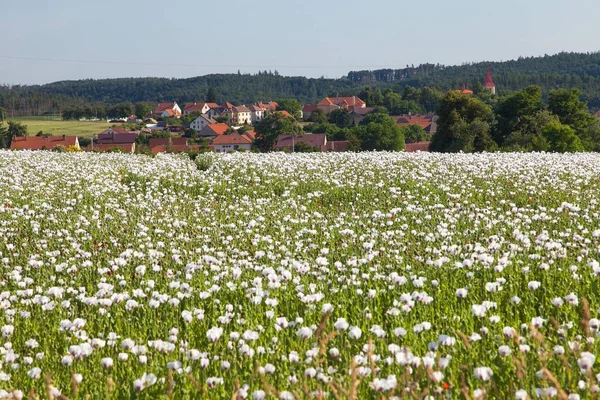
(132, 119)
(358, 113)
(427, 122)
(239, 115)
(117, 136)
(418, 146)
(201, 122)
(231, 142)
(191, 108)
(307, 111)
(213, 130)
(328, 104)
(165, 110)
(257, 113)
(318, 140)
(42, 142)
(268, 106)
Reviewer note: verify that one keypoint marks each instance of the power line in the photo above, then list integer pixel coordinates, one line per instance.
(185, 65)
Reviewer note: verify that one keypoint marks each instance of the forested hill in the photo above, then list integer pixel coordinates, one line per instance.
(564, 70)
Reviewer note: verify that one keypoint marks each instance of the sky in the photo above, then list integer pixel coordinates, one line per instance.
(52, 40)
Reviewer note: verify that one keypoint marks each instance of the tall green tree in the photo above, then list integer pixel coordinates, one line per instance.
(318, 116)
(292, 106)
(562, 138)
(379, 132)
(571, 111)
(5, 138)
(529, 134)
(142, 108)
(341, 117)
(2, 112)
(270, 127)
(211, 96)
(463, 125)
(515, 110)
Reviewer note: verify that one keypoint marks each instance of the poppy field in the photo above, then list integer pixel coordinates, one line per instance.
(290, 276)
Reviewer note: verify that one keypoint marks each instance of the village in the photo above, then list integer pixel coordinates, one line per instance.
(219, 128)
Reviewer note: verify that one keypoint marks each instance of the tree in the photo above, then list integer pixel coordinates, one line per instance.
(270, 127)
(565, 104)
(16, 129)
(292, 106)
(211, 96)
(562, 138)
(463, 125)
(515, 111)
(143, 108)
(414, 133)
(5, 138)
(341, 117)
(301, 147)
(318, 116)
(2, 113)
(529, 135)
(379, 132)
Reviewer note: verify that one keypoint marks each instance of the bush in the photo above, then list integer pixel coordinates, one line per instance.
(59, 149)
(115, 150)
(73, 149)
(204, 162)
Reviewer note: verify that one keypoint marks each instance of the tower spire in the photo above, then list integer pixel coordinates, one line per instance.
(489, 82)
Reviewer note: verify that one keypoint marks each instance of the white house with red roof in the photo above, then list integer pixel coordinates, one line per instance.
(231, 142)
(166, 110)
(202, 122)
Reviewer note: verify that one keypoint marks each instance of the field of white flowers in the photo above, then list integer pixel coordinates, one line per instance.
(338, 276)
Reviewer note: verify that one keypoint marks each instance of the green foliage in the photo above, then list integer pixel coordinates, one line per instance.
(270, 127)
(463, 125)
(84, 142)
(292, 106)
(301, 147)
(414, 133)
(143, 108)
(318, 116)
(204, 161)
(211, 96)
(379, 132)
(16, 129)
(515, 111)
(570, 110)
(59, 149)
(341, 117)
(561, 138)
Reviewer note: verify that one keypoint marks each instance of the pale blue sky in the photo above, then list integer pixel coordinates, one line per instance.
(296, 37)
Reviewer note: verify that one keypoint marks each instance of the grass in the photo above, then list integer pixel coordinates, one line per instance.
(58, 127)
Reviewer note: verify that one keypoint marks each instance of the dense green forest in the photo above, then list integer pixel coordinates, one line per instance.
(564, 70)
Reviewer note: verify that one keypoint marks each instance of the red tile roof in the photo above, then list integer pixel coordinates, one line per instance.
(219, 128)
(176, 141)
(352, 101)
(284, 113)
(418, 146)
(193, 107)
(308, 108)
(117, 138)
(213, 105)
(41, 143)
(162, 107)
(232, 138)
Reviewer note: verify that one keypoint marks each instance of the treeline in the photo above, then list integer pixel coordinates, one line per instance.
(520, 121)
(564, 70)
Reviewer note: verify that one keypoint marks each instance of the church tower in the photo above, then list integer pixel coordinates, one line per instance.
(489, 82)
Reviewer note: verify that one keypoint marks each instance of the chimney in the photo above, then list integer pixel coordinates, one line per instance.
(64, 137)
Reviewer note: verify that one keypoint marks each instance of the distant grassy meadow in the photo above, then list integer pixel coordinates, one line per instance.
(58, 127)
